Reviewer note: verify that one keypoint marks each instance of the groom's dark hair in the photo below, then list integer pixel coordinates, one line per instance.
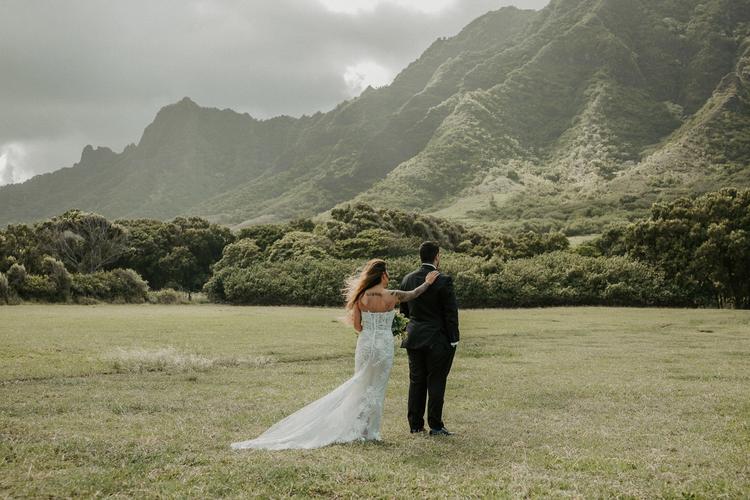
(428, 251)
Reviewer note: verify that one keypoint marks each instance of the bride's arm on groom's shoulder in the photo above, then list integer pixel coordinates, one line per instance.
(402, 305)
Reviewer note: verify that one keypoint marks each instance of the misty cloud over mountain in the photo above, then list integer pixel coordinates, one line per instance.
(88, 72)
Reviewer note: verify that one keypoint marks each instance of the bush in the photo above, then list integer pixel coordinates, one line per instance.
(4, 288)
(350, 220)
(6, 262)
(701, 244)
(553, 279)
(55, 271)
(241, 253)
(118, 285)
(16, 277)
(304, 281)
(167, 296)
(471, 289)
(36, 287)
(52, 286)
(375, 243)
(563, 278)
(264, 235)
(214, 287)
(299, 244)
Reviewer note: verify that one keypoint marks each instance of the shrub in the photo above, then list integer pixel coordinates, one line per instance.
(55, 271)
(264, 235)
(167, 296)
(37, 287)
(375, 243)
(214, 287)
(4, 288)
(299, 244)
(350, 220)
(6, 262)
(118, 285)
(241, 253)
(52, 286)
(701, 244)
(304, 281)
(563, 278)
(128, 285)
(16, 276)
(553, 279)
(87, 301)
(258, 286)
(471, 289)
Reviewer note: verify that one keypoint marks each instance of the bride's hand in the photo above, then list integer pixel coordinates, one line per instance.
(432, 277)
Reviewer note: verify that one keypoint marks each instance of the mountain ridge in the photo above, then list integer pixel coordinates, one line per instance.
(544, 120)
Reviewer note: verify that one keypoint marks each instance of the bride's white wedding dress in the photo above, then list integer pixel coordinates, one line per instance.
(351, 412)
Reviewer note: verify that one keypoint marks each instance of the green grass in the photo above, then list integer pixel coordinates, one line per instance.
(143, 401)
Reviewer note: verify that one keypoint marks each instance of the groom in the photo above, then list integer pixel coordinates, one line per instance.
(432, 336)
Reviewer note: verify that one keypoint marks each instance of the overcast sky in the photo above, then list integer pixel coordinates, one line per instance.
(77, 72)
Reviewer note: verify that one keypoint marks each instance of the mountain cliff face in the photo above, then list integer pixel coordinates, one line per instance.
(595, 118)
(569, 117)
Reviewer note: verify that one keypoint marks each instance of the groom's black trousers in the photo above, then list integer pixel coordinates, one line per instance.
(428, 371)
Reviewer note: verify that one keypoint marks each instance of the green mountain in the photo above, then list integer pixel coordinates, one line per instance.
(571, 117)
(610, 106)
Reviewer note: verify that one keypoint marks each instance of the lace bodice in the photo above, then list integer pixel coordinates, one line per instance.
(377, 320)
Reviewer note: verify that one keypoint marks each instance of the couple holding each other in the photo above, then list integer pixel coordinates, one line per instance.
(353, 411)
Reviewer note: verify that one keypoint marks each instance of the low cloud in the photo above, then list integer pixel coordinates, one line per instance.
(90, 72)
(359, 6)
(367, 73)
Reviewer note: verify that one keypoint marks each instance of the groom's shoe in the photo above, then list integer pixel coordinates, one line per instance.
(440, 432)
(417, 431)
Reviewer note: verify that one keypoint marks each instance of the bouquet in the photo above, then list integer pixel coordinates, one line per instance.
(399, 326)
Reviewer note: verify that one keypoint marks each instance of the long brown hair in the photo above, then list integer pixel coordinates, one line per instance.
(357, 285)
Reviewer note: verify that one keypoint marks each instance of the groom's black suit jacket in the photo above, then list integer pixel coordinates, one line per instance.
(433, 316)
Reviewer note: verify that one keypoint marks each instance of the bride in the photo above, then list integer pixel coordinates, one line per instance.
(352, 411)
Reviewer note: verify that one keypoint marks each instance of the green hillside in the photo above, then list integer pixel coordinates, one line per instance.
(597, 123)
(571, 117)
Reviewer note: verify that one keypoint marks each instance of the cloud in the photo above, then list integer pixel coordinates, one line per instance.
(367, 73)
(12, 154)
(90, 72)
(17, 159)
(358, 6)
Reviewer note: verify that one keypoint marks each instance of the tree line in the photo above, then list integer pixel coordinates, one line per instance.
(702, 244)
(691, 252)
(83, 256)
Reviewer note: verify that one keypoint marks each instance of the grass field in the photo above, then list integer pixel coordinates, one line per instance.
(143, 401)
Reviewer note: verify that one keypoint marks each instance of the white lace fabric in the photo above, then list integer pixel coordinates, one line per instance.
(351, 412)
